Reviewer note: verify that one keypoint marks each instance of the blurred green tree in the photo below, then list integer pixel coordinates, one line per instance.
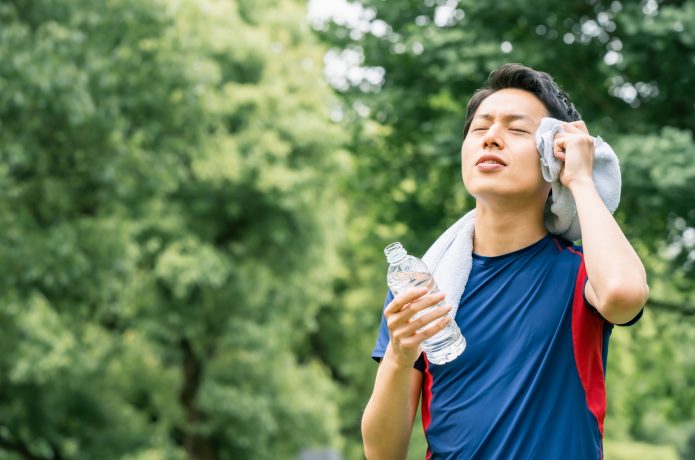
(171, 222)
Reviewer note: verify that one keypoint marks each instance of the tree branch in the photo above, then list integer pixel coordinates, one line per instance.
(685, 310)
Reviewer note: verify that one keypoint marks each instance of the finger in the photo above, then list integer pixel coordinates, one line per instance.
(576, 127)
(437, 327)
(403, 299)
(559, 153)
(581, 125)
(563, 136)
(428, 319)
(397, 319)
(423, 303)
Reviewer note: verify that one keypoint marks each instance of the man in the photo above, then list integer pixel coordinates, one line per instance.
(537, 311)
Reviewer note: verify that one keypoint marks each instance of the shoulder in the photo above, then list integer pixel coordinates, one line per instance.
(567, 257)
(567, 247)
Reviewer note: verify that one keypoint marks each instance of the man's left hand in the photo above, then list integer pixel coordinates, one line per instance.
(575, 147)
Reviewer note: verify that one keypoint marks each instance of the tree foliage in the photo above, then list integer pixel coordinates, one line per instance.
(191, 251)
(170, 222)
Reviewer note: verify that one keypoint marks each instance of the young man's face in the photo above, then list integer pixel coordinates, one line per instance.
(504, 127)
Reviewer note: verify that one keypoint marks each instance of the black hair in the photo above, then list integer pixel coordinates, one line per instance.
(541, 84)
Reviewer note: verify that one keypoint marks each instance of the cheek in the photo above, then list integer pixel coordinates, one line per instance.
(532, 168)
(467, 158)
(467, 150)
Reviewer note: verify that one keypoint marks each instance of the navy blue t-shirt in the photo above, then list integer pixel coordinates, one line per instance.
(530, 383)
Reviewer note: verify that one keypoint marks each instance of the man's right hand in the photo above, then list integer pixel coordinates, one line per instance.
(405, 340)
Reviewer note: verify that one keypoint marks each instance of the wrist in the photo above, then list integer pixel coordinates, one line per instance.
(397, 360)
(580, 183)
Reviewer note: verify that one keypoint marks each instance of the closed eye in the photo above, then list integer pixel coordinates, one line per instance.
(511, 129)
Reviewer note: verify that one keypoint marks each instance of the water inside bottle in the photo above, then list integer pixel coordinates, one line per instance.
(400, 281)
(447, 344)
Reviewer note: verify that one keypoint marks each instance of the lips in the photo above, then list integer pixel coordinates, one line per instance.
(490, 159)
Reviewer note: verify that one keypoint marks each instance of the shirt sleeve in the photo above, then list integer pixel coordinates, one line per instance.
(382, 339)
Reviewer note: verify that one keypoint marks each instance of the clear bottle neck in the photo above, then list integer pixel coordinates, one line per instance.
(395, 253)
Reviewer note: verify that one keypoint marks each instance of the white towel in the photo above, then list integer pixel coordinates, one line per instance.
(560, 211)
(450, 257)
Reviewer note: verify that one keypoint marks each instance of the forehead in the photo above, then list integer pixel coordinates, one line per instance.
(511, 104)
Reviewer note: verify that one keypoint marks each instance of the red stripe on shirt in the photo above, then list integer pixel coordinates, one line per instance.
(587, 338)
(426, 403)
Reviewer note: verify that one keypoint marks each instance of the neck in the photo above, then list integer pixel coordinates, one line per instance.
(500, 231)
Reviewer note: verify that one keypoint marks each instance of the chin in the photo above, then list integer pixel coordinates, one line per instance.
(480, 189)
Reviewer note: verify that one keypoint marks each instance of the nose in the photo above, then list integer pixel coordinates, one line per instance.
(492, 137)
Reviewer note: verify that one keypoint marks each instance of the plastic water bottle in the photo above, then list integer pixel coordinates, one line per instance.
(410, 272)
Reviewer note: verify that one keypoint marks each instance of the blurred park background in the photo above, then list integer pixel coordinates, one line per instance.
(195, 195)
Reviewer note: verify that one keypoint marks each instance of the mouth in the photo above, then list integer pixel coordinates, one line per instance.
(489, 166)
(490, 163)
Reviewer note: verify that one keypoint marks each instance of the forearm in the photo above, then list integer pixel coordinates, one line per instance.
(388, 418)
(615, 272)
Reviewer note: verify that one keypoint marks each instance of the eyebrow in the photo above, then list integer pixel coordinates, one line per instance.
(510, 117)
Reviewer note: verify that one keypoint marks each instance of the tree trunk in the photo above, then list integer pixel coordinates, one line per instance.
(199, 447)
